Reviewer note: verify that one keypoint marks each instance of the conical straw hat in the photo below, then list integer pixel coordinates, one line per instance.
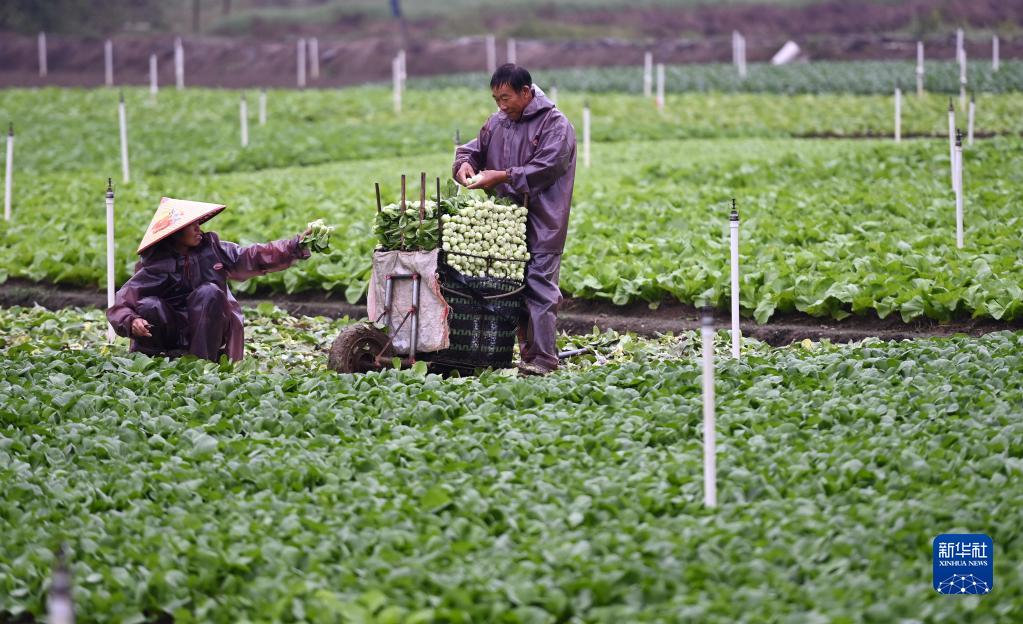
(173, 215)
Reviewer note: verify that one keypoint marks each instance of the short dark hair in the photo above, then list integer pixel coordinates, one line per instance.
(515, 76)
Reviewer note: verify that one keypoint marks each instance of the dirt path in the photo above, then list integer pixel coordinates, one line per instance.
(577, 316)
(355, 51)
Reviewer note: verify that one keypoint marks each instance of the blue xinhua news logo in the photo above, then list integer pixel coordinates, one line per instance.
(964, 563)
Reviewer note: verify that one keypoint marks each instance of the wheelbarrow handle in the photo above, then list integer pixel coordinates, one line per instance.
(564, 355)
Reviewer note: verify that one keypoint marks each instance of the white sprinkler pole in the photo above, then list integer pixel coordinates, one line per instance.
(42, 55)
(733, 227)
(962, 82)
(110, 254)
(491, 54)
(108, 62)
(586, 135)
(648, 74)
(396, 78)
(60, 604)
(919, 68)
(969, 124)
(898, 115)
(122, 116)
(737, 335)
(952, 140)
(513, 56)
(458, 141)
(554, 94)
(300, 63)
(179, 64)
(742, 56)
(314, 58)
(243, 120)
(710, 494)
(995, 61)
(262, 107)
(9, 172)
(660, 86)
(959, 44)
(402, 69)
(959, 189)
(154, 85)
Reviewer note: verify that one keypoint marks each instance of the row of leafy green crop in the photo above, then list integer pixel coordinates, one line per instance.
(223, 493)
(819, 77)
(829, 228)
(197, 131)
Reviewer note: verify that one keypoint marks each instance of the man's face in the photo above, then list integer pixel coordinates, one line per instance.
(512, 102)
(190, 236)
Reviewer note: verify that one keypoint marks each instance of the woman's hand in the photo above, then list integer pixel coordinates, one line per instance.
(140, 328)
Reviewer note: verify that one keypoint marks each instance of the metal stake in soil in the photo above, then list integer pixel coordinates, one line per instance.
(898, 115)
(952, 141)
(9, 172)
(919, 68)
(42, 55)
(586, 135)
(300, 63)
(710, 496)
(179, 64)
(491, 54)
(959, 188)
(660, 86)
(970, 117)
(108, 63)
(122, 116)
(733, 226)
(110, 254)
(243, 120)
(154, 86)
(648, 74)
(60, 607)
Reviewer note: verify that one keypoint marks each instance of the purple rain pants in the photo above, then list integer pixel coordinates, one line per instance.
(538, 333)
(197, 324)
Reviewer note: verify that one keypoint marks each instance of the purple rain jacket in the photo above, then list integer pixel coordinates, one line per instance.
(538, 152)
(161, 272)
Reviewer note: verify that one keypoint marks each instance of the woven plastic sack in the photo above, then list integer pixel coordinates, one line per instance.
(433, 309)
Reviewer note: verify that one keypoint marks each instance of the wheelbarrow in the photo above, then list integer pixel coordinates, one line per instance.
(480, 310)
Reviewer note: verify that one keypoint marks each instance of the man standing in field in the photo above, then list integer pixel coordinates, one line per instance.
(527, 150)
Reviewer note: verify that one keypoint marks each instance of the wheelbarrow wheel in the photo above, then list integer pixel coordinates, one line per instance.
(356, 348)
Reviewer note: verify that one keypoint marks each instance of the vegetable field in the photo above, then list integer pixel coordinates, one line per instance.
(830, 228)
(274, 489)
(291, 493)
(863, 77)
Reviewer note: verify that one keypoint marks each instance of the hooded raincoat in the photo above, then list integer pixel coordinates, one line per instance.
(538, 152)
(186, 298)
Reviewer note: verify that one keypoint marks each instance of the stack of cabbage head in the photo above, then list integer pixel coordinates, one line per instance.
(489, 229)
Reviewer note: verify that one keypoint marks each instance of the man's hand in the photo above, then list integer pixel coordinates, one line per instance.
(489, 178)
(464, 173)
(140, 328)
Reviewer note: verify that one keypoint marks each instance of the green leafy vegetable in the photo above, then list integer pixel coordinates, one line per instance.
(405, 229)
(279, 491)
(318, 238)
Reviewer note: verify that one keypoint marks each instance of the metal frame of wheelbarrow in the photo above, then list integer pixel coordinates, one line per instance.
(412, 313)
